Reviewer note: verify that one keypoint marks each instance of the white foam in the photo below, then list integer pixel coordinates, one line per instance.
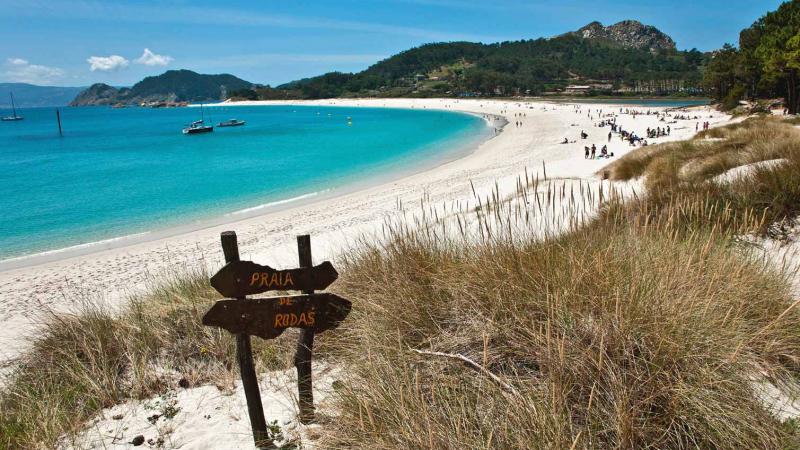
(277, 203)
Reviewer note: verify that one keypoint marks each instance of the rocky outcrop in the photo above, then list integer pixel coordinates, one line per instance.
(629, 34)
(171, 87)
(98, 94)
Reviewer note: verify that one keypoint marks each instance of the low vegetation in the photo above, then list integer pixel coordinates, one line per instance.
(645, 328)
(769, 186)
(94, 358)
(648, 325)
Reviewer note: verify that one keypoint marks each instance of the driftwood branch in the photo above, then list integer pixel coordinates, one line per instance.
(473, 365)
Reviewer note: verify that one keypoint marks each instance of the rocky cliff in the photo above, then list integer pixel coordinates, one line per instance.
(629, 34)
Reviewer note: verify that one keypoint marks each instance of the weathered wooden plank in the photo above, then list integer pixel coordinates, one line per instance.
(241, 278)
(305, 346)
(244, 355)
(269, 317)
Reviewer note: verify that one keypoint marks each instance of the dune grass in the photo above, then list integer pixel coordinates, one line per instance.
(612, 336)
(684, 171)
(94, 358)
(644, 325)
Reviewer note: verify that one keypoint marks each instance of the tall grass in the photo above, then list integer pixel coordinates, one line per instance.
(612, 337)
(679, 173)
(641, 326)
(95, 358)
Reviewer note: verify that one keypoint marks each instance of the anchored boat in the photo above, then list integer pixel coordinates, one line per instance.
(231, 123)
(199, 126)
(14, 117)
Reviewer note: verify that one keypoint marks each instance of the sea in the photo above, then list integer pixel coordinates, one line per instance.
(117, 173)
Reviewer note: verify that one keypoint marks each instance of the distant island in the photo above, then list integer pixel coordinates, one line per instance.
(32, 96)
(173, 87)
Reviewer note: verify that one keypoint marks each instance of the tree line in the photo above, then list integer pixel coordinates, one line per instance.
(765, 64)
(507, 68)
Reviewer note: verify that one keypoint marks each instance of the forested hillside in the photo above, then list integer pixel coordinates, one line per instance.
(172, 85)
(625, 58)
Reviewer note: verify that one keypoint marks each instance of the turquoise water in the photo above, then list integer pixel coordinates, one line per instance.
(118, 172)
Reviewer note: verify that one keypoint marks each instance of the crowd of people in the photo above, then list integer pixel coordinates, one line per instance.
(609, 120)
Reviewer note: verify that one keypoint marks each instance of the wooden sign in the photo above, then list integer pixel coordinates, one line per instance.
(241, 278)
(267, 318)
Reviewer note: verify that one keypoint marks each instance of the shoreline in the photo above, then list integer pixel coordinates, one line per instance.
(109, 276)
(459, 149)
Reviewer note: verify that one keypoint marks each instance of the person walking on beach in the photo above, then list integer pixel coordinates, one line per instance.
(609, 136)
(586, 156)
(594, 151)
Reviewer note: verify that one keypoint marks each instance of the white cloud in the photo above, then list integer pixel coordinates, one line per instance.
(107, 63)
(21, 71)
(149, 58)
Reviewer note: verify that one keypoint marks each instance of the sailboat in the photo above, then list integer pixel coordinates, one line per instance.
(199, 126)
(14, 117)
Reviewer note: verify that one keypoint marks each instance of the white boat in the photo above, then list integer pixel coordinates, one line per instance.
(14, 117)
(199, 126)
(231, 123)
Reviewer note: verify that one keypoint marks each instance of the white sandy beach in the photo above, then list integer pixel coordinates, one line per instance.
(334, 221)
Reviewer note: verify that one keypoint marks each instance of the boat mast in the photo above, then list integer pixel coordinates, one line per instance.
(13, 108)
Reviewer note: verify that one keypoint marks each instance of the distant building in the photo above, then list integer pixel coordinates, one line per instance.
(577, 89)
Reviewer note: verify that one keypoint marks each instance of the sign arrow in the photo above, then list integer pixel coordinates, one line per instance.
(269, 317)
(241, 278)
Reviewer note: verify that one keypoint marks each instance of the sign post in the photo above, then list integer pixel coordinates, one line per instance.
(305, 345)
(244, 355)
(268, 318)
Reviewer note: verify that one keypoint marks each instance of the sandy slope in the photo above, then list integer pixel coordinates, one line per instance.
(108, 275)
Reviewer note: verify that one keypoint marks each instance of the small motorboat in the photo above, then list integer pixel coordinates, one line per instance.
(198, 127)
(231, 123)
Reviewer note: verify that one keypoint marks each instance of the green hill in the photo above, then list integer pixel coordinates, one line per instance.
(627, 57)
(171, 86)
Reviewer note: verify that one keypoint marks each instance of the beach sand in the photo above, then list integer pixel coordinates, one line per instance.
(61, 282)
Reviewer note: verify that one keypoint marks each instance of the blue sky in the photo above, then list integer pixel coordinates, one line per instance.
(79, 42)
